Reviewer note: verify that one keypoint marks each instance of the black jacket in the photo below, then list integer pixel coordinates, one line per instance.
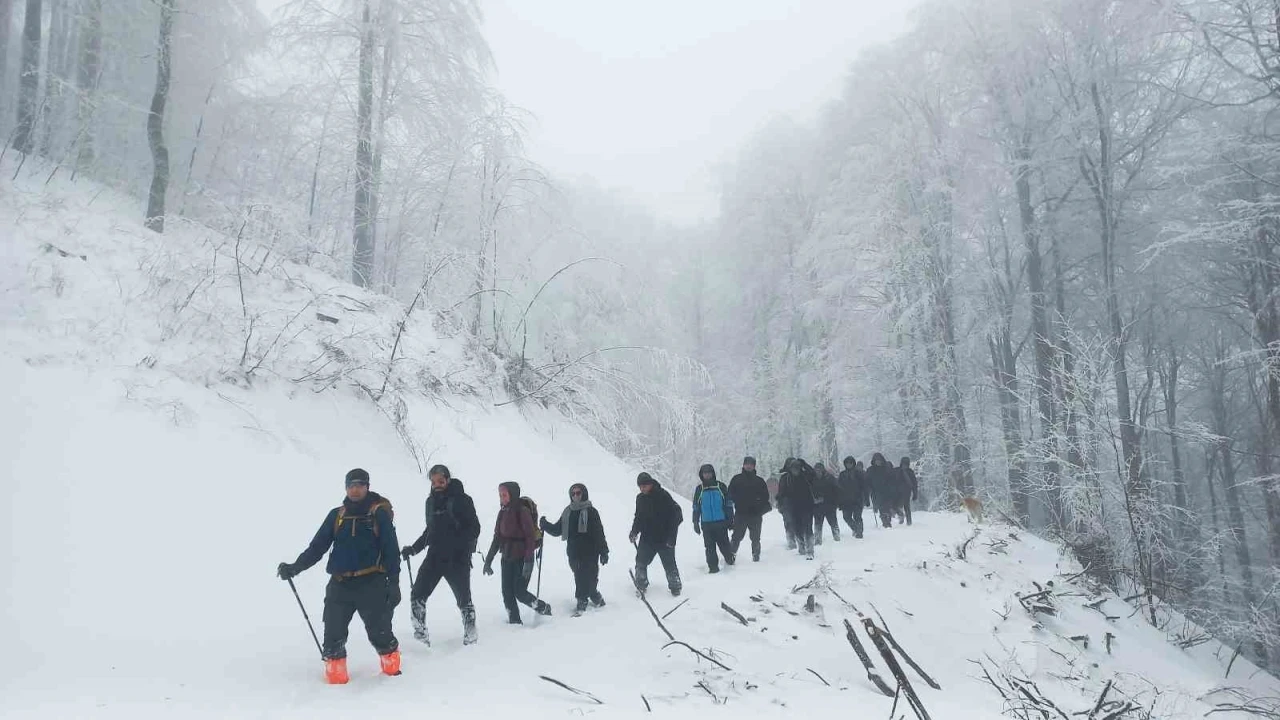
(750, 494)
(795, 489)
(658, 517)
(882, 478)
(853, 489)
(909, 486)
(452, 525)
(825, 489)
(581, 546)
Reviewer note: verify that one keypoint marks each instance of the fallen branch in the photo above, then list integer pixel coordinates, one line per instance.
(646, 704)
(703, 685)
(872, 675)
(914, 665)
(878, 639)
(737, 615)
(1097, 707)
(677, 607)
(573, 690)
(697, 652)
(815, 674)
(656, 619)
(1234, 655)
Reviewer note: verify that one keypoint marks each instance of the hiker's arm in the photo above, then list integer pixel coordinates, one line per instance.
(553, 528)
(697, 505)
(319, 544)
(597, 529)
(388, 543)
(493, 545)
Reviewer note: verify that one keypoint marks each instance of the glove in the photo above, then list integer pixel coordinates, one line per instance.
(488, 567)
(604, 558)
(697, 528)
(633, 538)
(393, 591)
(407, 552)
(286, 571)
(527, 571)
(543, 524)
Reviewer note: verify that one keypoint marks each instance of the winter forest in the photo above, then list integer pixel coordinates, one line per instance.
(1034, 245)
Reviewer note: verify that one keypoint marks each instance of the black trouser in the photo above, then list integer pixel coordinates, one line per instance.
(802, 527)
(646, 550)
(886, 514)
(787, 526)
(744, 523)
(586, 577)
(906, 508)
(716, 535)
(825, 512)
(515, 588)
(368, 595)
(455, 571)
(853, 517)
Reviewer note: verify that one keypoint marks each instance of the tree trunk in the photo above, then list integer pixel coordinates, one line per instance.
(29, 80)
(1005, 368)
(362, 261)
(6, 26)
(1262, 301)
(155, 122)
(88, 77)
(380, 138)
(55, 74)
(1184, 529)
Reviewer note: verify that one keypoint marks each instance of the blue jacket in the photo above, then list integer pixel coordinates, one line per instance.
(363, 539)
(711, 501)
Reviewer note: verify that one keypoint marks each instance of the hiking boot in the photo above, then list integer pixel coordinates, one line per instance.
(390, 663)
(335, 671)
(513, 617)
(469, 635)
(675, 590)
(731, 558)
(580, 608)
(755, 557)
(542, 608)
(713, 570)
(420, 634)
(597, 600)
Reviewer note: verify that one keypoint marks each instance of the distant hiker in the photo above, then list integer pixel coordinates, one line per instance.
(654, 530)
(884, 492)
(450, 536)
(826, 501)
(713, 517)
(750, 496)
(908, 487)
(515, 533)
(853, 495)
(795, 493)
(364, 575)
(781, 502)
(580, 526)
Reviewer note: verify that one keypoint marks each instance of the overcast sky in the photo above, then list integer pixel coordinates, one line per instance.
(647, 96)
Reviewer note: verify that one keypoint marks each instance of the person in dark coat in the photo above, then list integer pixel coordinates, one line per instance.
(450, 536)
(826, 501)
(853, 495)
(580, 526)
(781, 502)
(750, 495)
(654, 530)
(908, 486)
(713, 517)
(515, 535)
(364, 575)
(795, 494)
(884, 492)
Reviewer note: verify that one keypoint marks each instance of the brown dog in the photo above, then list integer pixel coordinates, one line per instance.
(974, 506)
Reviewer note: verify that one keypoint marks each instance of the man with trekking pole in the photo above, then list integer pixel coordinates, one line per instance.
(364, 577)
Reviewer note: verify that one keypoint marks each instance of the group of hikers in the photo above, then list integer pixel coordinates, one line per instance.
(364, 553)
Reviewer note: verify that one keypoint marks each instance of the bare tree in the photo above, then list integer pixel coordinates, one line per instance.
(155, 121)
(28, 80)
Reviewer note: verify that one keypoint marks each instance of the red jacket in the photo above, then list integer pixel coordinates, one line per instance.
(513, 533)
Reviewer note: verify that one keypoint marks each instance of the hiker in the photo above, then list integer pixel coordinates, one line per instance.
(654, 530)
(795, 492)
(908, 487)
(364, 575)
(750, 496)
(884, 494)
(853, 495)
(580, 526)
(515, 533)
(713, 517)
(781, 502)
(826, 499)
(450, 536)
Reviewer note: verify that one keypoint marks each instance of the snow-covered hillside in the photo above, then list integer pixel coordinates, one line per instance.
(156, 471)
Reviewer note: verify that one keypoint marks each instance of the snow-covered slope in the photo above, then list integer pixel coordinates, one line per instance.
(153, 484)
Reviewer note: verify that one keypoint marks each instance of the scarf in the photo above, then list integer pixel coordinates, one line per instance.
(584, 516)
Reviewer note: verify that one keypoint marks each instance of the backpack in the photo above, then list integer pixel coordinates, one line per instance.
(368, 517)
(532, 507)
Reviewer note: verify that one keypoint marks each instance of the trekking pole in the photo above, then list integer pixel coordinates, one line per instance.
(409, 562)
(306, 617)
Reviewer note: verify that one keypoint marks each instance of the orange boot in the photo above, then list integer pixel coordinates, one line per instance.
(390, 663)
(335, 671)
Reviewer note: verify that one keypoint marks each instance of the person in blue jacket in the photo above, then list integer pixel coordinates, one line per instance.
(713, 517)
(364, 570)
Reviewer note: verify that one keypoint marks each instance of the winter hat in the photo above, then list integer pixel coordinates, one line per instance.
(748, 460)
(849, 461)
(820, 466)
(645, 478)
(579, 486)
(439, 470)
(787, 465)
(708, 468)
(513, 489)
(357, 476)
(906, 462)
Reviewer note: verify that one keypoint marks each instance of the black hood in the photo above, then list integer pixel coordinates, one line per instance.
(513, 489)
(849, 461)
(878, 459)
(453, 488)
(905, 463)
(787, 465)
(707, 468)
(585, 495)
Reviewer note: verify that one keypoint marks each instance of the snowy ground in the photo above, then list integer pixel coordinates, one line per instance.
(152, 491)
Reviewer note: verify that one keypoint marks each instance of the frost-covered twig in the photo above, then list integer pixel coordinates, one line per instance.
(737, 615)
(573, 690)
(697, 652)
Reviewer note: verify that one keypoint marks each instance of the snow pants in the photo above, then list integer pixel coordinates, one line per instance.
(368, 595)
(853, 518)
(715, 535)
(515, 588)
(802, 528)
(456, 572)
(586, 577)
(826, 512)
(787, 527)
(744, 523)
(646, 550)
(906, 509)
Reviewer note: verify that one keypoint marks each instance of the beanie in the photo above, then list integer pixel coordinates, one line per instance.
(644, 479)
(357, 476)
(439, 470)
(748, 460)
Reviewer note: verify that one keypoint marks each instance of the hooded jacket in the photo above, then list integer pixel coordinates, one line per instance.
(581, 545)
(750, 494)
(853, 486)
(795, 488)
(909, 485)
(881, 478)
(452, 526)
(658, 517)
(363, 538)
(826, 491)
(711, 501)
(514, 529)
